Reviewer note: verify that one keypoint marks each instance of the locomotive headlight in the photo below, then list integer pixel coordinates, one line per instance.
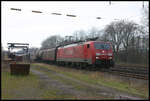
(97, 57)
(110, 57)
(109, 54)
(97, 54)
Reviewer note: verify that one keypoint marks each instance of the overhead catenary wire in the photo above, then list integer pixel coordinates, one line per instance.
(56, 13)
(36, 11)
(16, 9)
(68, 15)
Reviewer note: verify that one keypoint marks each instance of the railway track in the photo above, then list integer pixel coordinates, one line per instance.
(129, 72)
(125, 71)
(136, 69)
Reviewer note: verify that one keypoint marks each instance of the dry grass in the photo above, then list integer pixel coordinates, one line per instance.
(95, 77)
(12, 85)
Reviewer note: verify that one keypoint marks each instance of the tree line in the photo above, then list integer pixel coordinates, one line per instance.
(130, 41)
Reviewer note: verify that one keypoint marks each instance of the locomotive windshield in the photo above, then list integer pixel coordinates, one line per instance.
(101, 46)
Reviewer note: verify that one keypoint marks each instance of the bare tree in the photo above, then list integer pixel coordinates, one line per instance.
(145, 17)
(121, 34)
(103, 37)
(82, 35)
(76, 35)
(51, 41)
(93, 32)
(2, 52)
(114, 32)
(129, 31)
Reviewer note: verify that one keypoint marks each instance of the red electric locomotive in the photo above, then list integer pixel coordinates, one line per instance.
(95, 53)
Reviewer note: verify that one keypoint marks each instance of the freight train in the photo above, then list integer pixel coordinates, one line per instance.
(82, 54)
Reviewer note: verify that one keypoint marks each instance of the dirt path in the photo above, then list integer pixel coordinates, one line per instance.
(87, 91)
(48, 83)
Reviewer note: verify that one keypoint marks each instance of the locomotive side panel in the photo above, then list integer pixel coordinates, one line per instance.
(71, 54)
(88, 51)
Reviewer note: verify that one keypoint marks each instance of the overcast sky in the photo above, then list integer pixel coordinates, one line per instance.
(27, 27)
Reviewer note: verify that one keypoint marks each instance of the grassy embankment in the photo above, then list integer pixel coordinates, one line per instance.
(98, 79)
(26, 87)
(19, 87)
(14, 87)
(90, 93)
(12, 84)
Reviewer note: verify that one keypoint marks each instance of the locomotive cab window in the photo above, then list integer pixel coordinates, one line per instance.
(88, 45)
(101, 46)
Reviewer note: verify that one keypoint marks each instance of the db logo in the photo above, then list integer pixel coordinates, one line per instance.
(70, 52)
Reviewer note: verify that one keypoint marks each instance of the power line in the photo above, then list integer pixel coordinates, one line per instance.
(143, 4)
(98, 18)
(36, 11)
(56, 13)
(16, 9)
(109, 2)
(69, 15)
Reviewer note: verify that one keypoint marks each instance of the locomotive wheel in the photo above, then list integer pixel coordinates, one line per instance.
(83, 65)
(107, 66)
(93, 67)
(79, 66)
(73, 64)
(113, 64)
(63, 63)
(58, 63)
(67, 64)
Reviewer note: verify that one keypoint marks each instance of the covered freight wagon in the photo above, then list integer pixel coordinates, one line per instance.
(48, 55)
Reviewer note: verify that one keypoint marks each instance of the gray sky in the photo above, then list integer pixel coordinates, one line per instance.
(33, 28)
